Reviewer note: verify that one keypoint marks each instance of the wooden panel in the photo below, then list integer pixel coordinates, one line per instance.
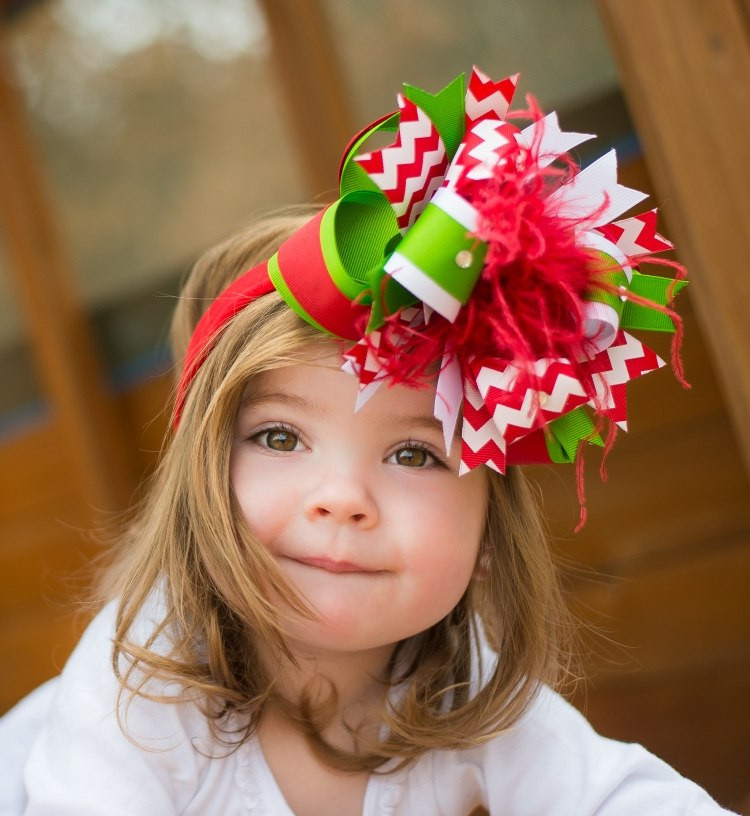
(671, 617)
(45, 544)
(685, 69)
(697, 721)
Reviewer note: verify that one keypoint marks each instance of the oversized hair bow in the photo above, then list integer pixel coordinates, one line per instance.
(478, 251)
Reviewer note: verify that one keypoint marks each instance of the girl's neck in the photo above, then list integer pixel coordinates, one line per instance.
(359, 678)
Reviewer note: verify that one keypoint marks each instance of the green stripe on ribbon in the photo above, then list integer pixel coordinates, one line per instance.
(433, 245)
(446, 109)
(607, 271)
(566, 433)
(274, 272)
(354, 235)
(389, 296)
(654, 288)
(353, 177)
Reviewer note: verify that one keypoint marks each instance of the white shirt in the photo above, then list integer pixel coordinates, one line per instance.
(75, 760)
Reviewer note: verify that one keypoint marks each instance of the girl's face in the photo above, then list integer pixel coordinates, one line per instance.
(364, 513)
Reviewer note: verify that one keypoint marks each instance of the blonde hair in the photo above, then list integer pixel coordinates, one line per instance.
(189, 542)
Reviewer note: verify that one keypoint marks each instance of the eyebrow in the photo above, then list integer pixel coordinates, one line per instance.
(282, 397)
(420, 422)
(425, 422)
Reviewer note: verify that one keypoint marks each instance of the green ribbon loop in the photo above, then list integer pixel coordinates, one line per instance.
(353, 176)
(566, 433)
(388, 297)
(605, 270)
(354, 235)
(655, 289)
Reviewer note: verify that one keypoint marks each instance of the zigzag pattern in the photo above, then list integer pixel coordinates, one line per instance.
(361, 360)
(487, 144)
(522, 400)
(624, 360)
(504, 404)
(617, 409)
(483, 148)
(412, 168)
(637, 235)
(481, 442)
(488, 99)
(508, 403)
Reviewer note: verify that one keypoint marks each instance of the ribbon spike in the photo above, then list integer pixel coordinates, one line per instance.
(481, 442)
(636, 235)
(552, 141)
(594, 190)
(487, 99)
(448, 396)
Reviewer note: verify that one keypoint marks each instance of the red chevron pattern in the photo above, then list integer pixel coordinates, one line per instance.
(624, 360)
(509, 405)
(487, 99)
(411, 169)
(617, 410)
(481, 443)
(485, 147)
(362, 362)
(521, 400)
(637, 235)
(361, 359)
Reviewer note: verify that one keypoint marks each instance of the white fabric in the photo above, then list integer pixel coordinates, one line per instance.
(62, 753)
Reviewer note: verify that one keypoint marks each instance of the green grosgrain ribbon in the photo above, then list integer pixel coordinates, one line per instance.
(651, 287)
(443, 250)
(606, 270)
(565, 434)
(446, 110)
(353, 177)
(355, 233)
(659, 291)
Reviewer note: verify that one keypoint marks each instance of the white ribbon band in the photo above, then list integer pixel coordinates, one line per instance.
(411, 277)
(457, 207)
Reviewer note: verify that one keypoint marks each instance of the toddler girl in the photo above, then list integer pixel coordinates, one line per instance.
(336, 596)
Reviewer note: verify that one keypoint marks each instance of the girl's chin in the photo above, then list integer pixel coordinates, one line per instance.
(332, 636)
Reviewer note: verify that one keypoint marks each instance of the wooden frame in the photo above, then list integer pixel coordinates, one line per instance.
(685, 70)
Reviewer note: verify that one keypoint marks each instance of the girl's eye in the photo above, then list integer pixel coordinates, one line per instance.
(278, 439)
(414, 456)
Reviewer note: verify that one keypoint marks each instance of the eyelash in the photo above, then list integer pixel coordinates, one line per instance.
(437, 461)
(255, 436)
(410, 444)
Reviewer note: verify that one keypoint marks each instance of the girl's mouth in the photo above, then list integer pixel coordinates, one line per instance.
(331, 565)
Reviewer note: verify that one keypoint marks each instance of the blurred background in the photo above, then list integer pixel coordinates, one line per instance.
(134, 134)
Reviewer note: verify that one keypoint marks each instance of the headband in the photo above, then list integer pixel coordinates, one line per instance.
(479, 249)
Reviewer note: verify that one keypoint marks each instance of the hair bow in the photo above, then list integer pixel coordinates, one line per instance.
(478, 250)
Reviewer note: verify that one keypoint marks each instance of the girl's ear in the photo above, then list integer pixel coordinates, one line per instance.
(482, 566)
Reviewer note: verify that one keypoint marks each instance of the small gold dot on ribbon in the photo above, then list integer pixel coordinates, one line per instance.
(464, 259)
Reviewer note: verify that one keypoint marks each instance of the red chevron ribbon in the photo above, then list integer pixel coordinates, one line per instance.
(636, 235)
(481, 442)
(488, 99)
(412, 168)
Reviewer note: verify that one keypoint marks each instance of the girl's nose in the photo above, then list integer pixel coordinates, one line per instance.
(342, 501)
